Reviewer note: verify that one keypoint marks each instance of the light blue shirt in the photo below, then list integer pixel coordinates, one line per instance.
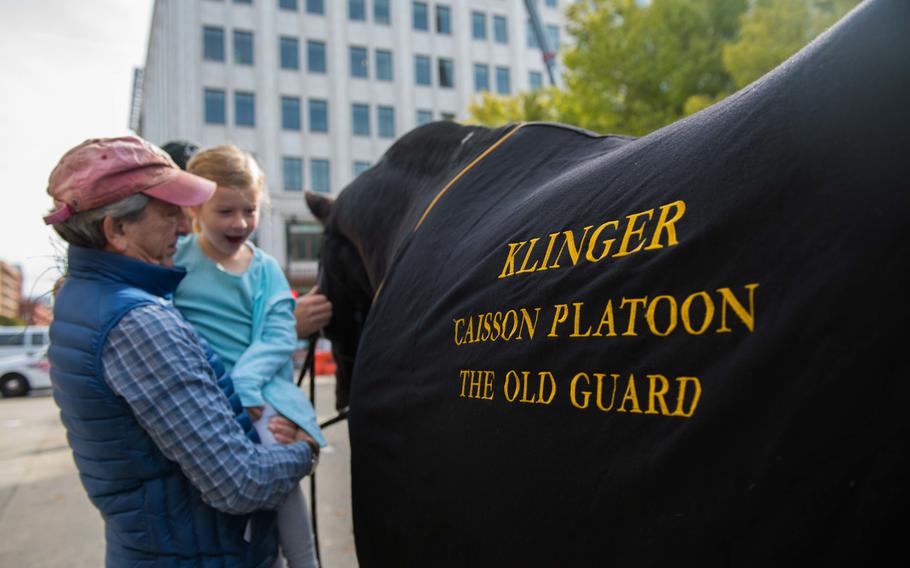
(248, 319)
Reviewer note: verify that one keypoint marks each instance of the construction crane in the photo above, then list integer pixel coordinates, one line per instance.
(547, 52)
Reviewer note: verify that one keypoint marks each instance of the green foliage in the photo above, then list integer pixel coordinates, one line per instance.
(494, 110)
(773, 30)
(635, 66)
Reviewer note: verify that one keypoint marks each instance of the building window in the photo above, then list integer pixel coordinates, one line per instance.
(357, 10)
(503, 81)
(500, 29)
(319, 175)
(288, 5)
(290, 113)
(386, 119)
(550, 3)
(243, 47)
(450, 116)
(481, 77)
(315, 56)
(212, 43)
(383, 65)
(315, 7)
(244, 108)
(381, 12)
(360, 119)
(478, 25)
(303, 240)
(319, 115)
(292, 173)
(443, 19)
(360, 167)
(446, 73)
(243, 1)
(214, 106)
(420, 16)
(422, 70)
(424, 116)
(553, 37)
(359, 64)
(535, 80)
(289, 51)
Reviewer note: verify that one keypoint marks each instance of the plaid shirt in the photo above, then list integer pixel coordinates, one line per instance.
(154, 360)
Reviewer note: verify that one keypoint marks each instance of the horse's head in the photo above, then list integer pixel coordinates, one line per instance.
(370, 219)
(343, 279)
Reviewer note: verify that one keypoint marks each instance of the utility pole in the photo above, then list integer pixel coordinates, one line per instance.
(549, 55)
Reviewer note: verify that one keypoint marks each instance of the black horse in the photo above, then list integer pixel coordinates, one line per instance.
(687, 348)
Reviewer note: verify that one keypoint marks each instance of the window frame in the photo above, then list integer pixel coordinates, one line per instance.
(206, 55)
(298, 173)
(445, 69)
(237, 108)
(240, 54)
(205, 105)
(322, 59)
(385, 121)
(478, 33)
(420, 21)
(364, 60)
(285, 41)
(291, 120)
(315, 186)
(312, 111)
(379, 60)
(360, 123)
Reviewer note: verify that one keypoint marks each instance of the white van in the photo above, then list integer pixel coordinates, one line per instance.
(22, 340)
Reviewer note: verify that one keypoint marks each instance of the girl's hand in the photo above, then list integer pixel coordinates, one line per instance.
(255, 412)
(313, 312)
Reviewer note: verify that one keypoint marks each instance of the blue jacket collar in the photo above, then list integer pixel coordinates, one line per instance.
(94, 264)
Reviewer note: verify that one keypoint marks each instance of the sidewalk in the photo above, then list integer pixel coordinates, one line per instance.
(47, 521)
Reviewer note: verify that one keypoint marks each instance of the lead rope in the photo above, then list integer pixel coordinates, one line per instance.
(310, 363)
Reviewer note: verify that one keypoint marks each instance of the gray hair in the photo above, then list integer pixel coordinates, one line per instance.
(85, 229)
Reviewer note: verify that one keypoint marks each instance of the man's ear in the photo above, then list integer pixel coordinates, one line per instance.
(193, 214)
(115, 235)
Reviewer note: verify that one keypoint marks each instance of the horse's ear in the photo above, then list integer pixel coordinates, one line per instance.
(320, 205)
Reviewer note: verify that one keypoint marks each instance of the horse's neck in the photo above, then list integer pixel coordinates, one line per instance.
(415, 170)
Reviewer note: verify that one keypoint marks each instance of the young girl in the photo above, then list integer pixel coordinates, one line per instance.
(238, 299)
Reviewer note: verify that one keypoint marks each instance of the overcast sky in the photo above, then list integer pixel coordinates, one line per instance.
(66, 70)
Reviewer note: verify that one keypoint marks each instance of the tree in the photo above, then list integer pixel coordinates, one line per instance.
(635, 66)
(494, 110)
(773, 30)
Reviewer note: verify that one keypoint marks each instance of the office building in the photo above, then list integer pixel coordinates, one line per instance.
(318, 89)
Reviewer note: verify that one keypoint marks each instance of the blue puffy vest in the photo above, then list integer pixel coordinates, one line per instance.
(153, 515)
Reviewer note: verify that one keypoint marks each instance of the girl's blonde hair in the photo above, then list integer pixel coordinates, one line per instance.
(229, 166)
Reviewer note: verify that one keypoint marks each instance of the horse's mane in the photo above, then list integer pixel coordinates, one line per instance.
(434, 148)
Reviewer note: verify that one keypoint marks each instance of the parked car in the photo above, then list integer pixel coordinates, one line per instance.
(21, 373)
(22, 340)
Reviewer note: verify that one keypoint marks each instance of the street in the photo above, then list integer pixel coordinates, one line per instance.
(47, 521)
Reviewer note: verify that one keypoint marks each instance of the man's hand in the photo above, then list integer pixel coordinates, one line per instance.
(286, 432)
(313, 311)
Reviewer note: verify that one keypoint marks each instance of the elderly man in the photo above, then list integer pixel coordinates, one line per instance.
(160, 444)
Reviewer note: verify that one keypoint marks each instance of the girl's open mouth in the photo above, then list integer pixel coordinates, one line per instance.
(234, 240)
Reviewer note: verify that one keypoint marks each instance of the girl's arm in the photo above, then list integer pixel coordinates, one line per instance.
(274, 347)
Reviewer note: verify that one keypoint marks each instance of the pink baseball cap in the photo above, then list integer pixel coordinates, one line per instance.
(101, 171)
